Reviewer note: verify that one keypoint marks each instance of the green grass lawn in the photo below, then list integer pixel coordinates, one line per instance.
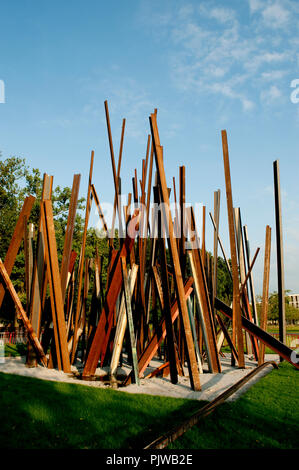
(266, 416)
(42, 414)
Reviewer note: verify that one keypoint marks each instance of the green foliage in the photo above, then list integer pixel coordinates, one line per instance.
(292, 313)
(224, 282)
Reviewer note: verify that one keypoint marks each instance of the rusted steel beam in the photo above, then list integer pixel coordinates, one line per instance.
(160, 334)
(16, 240)
(39, 265)
(203, 299)
(242, 267)
(101, 338)
(237, 324)
(122, 324)
(115, 177)
(164, 440)
(227, 336)
(55, 286)
(67, 248)
(81, 260)
(215, 251)
(27, 325)
(265, 298)
(128, 300)
(221, 246)
(28, 254)
(251, 284)
(279, 348)
(182, 219)
(279, 251)
(191, 359)
(118, 172)
(163, 370)
(38, 278)
(243, 286)
(203, 237)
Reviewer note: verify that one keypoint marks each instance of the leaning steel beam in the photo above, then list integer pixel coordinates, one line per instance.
(279, 250)
(101, 338)
(128, 303)
(31, 333)
(16, 240)
(265, 298)
(122, 324)
(55, 286)
(67, 248)
(237, 327)
(38, 276)
(191, 359)
(172, 435)
(203, 300)
(159, 335)
(251, 283)
(81, 260)
(279, 348)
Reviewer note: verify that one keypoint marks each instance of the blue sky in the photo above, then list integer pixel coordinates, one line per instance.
(206, 66)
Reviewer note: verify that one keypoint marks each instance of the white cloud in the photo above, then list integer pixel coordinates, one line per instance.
(273, 75)
(271, 95)
(255, 5)
(217, 51)
(276, 16)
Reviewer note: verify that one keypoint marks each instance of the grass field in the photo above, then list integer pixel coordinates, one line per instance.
(51, 415)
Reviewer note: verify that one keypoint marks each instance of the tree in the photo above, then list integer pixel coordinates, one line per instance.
(292, 313)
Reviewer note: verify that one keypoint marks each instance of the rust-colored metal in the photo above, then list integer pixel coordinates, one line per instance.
(160, 334)
(264, 310)
(27, 325)
(279, 348)
(16, 240)
(67, 248)
(81, 261)
(101, 338)
(164, 440)
(237, 325)
(191, 359)
(55, 287)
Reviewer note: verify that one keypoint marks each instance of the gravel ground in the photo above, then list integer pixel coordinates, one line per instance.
(212, 385)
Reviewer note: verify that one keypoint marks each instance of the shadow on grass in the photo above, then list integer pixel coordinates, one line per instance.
(43, 414)
(54, 415)
(266, 416)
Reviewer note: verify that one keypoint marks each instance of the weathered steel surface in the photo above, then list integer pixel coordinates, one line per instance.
(172, 435)
(191, 359)
(31, 333)
(237, 328)
(277, 346)
(16, 240)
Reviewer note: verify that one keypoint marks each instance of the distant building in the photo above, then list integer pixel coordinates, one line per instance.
(294, 300)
